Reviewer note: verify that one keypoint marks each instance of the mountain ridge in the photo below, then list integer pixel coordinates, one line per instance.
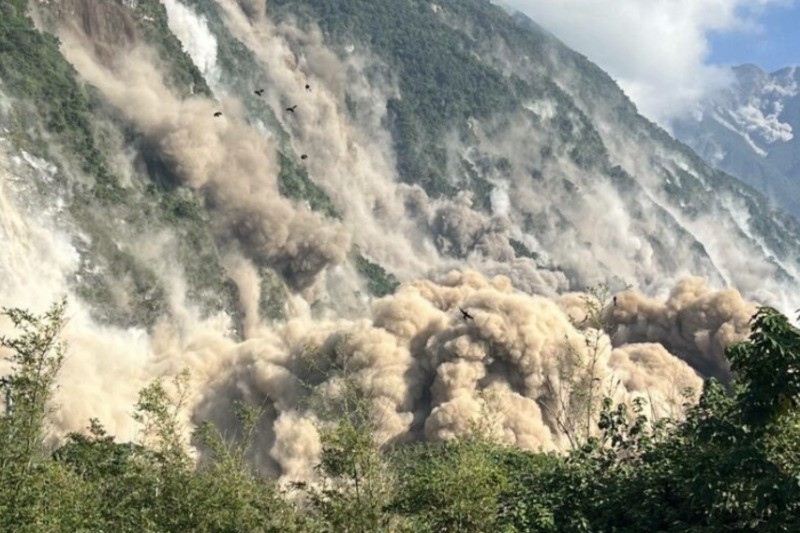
(748, 129)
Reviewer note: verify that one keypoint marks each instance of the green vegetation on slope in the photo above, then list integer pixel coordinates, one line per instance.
(521, 250)
(48, 97)
(731, 465)
(182, 74)
(442, 82)
(293, 182)
(446, 75)
(379, 282)
(273, 295)
(242, 73)
(31, 68)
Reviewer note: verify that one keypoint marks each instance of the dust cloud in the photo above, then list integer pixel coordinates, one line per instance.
(521, 364)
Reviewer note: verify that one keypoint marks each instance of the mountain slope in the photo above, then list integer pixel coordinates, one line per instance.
(463, 158)
(749, 129)
(573, 130)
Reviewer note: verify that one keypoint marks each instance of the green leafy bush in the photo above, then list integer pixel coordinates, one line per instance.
(379, 282)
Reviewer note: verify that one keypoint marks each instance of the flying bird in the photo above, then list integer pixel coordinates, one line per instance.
(291, 109)
(308, 87)
(259, 92)
(304, 157)
(218, 114)
(466, 316)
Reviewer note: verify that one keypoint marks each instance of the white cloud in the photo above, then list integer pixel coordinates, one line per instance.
(657, 50)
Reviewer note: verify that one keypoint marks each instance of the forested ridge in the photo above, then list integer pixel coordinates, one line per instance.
(733, 462)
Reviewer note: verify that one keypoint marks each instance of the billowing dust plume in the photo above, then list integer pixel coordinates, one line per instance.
(695, 322)
(230, 164)
(519, 366)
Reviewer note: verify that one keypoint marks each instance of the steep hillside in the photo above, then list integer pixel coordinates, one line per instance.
(523, 115)
(750, 130)
(440, 157)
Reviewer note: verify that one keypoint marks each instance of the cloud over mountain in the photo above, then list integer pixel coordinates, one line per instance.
(657, 50)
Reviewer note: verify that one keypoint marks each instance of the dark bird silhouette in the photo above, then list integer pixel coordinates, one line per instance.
(259, 92)
(308, 87)
(291, 109)
(466, 316)
(304, 157)
(218, 114)
(615, 301)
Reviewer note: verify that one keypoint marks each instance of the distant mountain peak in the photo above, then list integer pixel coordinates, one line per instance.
(750, 129)
(749, 69)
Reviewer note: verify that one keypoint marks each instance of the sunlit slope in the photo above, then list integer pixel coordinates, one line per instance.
(436, 157)
(492, 104)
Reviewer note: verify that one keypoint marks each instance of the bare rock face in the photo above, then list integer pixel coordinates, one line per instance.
(109, 24)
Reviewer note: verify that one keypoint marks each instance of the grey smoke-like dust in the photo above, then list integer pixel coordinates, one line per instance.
(227, 162)
(695, 321)
(350, 158)
(429, 373)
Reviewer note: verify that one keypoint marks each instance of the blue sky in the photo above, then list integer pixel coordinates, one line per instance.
(775, 45)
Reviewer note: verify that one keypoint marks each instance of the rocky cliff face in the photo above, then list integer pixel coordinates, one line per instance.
(439, 155)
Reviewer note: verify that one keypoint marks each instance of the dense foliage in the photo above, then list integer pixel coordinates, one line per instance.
(732, 464)
(447, 74)
(66, 124)
(59, 119)
(464, 69)
(379, 281)
(293, 182)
